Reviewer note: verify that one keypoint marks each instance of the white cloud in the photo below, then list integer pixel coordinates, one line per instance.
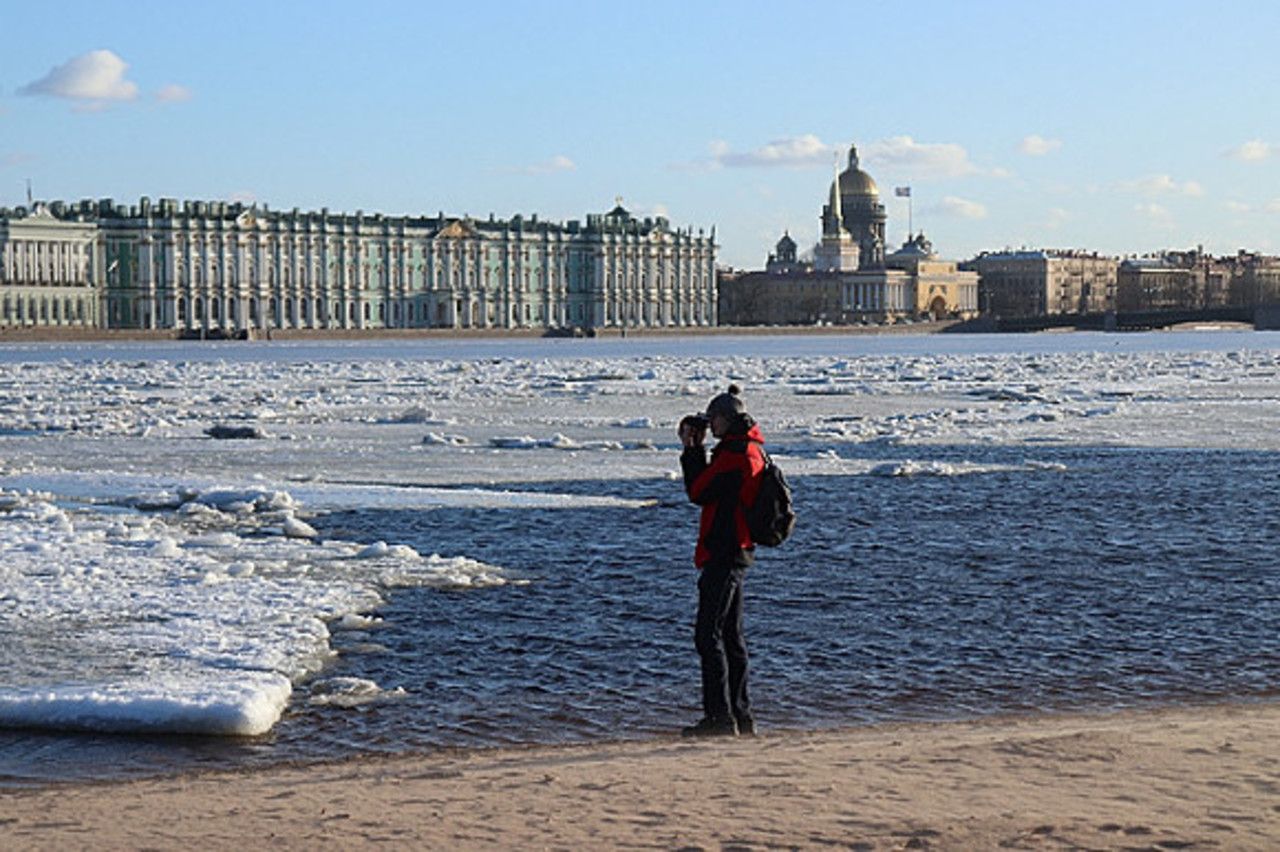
(920, 159)
(243, 196)
(1157, 214)
(558, 163)
(1238, 207)
(960, 208)
(1037, 146)
(173, 93)
(1057, 217)
(900, 155)
(1252, 151)
(642, 210)
(1273, 206)
(792, 152)
(1162, 185)
(96, 76)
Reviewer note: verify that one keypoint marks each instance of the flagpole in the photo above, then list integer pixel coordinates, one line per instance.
(905, 192)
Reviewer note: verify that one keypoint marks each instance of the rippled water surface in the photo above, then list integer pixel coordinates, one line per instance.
(1069, 528)
(1130, 577)
(1109, 578)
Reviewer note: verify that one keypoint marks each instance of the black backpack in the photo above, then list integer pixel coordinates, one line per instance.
(771, 518)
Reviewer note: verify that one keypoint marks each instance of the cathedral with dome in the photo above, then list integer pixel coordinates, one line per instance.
(853, 223)
(851, 278)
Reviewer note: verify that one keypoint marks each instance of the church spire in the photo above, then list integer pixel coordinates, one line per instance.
(835, 195)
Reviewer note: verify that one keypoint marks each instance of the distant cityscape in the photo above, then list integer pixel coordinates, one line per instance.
(851, 279)
(213, 269)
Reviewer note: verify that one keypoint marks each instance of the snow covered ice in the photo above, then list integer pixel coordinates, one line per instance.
(153, 578)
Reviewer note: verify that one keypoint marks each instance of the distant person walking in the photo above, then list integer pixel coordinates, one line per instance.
(722, 486)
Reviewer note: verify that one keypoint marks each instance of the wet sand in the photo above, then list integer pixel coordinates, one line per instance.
(1205, 777)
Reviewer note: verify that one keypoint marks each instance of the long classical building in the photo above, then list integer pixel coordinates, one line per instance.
(205, 267)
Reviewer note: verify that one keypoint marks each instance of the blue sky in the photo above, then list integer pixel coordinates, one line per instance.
(1122, 126)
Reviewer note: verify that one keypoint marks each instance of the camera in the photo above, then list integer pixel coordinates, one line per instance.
(697, 422)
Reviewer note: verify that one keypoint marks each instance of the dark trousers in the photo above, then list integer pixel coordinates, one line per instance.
(720, 643)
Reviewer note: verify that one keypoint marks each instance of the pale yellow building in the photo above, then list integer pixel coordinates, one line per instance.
(913, 283)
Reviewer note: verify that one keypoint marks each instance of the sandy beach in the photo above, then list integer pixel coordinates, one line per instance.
(1170, 779)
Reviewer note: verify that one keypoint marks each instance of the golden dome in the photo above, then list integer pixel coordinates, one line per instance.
(854, 181)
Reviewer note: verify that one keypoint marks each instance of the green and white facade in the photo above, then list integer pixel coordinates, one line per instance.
(49, 271)
(214, 266)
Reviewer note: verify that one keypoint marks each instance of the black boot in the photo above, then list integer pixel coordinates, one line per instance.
(707, 727)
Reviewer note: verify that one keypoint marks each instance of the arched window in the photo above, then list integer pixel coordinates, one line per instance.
(214, 307)
(182, 310)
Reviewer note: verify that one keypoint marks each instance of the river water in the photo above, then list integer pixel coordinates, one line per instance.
(502, 546)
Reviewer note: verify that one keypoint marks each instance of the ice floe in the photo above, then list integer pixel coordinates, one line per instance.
(154, 579)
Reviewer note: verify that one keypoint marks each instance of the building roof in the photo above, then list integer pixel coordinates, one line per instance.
(854, 181)
(917, 246)
(1154, 263)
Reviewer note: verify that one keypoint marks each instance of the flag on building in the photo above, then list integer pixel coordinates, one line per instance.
(902, 191)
